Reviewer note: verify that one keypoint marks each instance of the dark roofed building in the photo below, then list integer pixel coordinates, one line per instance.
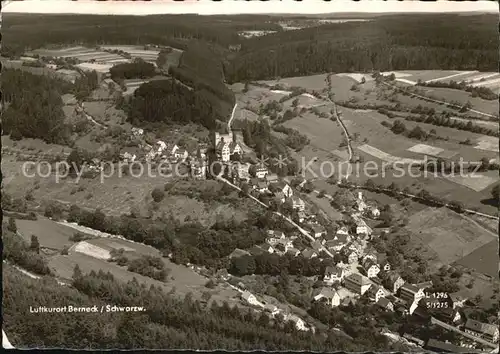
(483, 330)
(433, 344)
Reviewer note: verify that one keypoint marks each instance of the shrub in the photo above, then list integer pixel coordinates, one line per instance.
(158, 195)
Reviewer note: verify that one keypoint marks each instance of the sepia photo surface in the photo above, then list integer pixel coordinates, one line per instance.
(247, 175)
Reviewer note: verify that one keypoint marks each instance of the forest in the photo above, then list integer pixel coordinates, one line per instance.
(33, 31)
(139, 69)
(405, 42)
(167, 101)
(34, 106)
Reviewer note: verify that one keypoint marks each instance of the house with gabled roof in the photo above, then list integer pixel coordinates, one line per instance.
(342, 231)
(284, 188)
(250, 298)
(442, 312)
(297, 203)
(334, 245)
(317, 230)
(309, 253)
(483, 330)
(385, 304)
(223, 151)
(261, 171)
(293, 251)
(446, 347)
(375, 293)
(393, 281)
(349, 255)
(272, 309)
(234, 148)
(457, 300)
(372, 268)
(271, 178)
(238, 253)
(328, 295)
(333, 274)
(317, 246)
(259, 185)
(357, 283)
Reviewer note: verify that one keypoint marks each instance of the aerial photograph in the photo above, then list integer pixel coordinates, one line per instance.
(246, 175)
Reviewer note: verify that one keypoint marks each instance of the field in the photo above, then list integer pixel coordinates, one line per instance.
(484, 259)
(80, 53)
(487, 79)
(448, 95)
(451, 236)
(50, 234)
(375, 143)
(181, 279)
(475, 181)
(313, 82)
(488, 143)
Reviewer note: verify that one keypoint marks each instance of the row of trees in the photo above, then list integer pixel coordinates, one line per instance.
(273, 264)
(476, 91)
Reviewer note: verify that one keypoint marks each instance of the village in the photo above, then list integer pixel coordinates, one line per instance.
(359, 272)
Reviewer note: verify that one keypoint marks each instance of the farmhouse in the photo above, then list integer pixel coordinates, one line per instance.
(357, 283)
(328, 295)
(483, 330)
(333, 274)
